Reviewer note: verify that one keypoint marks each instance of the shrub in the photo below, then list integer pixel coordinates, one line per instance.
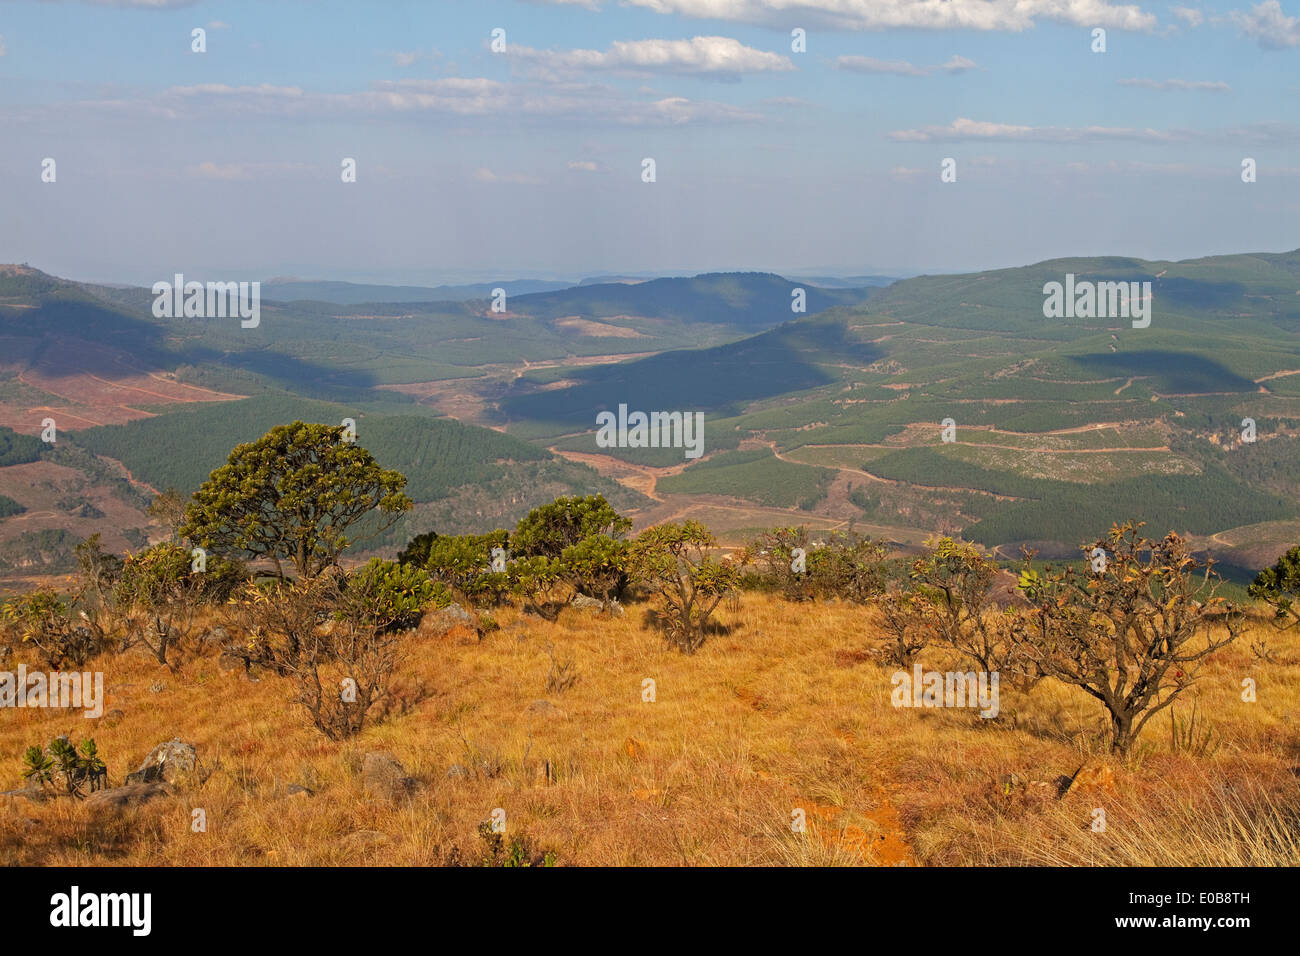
(848, 567)
(546, 531)
(537, 580)
(954, 588)
(160, 593)
(672, 560)
(63, 769)
(463, 563)
(41, 618)
(1127, 635)
(390, 595)
(772, 552)
(1279, 587)
(597, 566)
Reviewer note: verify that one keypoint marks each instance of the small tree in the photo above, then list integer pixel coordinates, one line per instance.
(549, 529)
(907, 625)
(1132, 635)
(1279, 588)
(41, 618)
(597, 566)
(773, 553)
(293, 495)
(168, 509)
(158, 589)
(673, 561)
(954, 587)
(538, 580)
(464, 562)
(849, 567)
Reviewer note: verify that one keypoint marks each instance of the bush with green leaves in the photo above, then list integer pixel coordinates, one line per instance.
(463, 563)
(389, 595)
(549, 529)
(1133, 634)
(1279, 588)
(773, 554)
(954, 581)
(63, 769)
(675, 562)
(597, 566)
(849, 567)
(293, 496)
(160, 593)
(538, 581)
(43, 620)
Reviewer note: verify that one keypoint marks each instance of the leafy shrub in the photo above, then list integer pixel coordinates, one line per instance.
(597, 566)
(1279, 588)
(673, 561)
(1132, 635)
(160, 594)
(41, 618)
(63, 769)
(537, 580)
(548, 530)
(463, 563)
(390, 595)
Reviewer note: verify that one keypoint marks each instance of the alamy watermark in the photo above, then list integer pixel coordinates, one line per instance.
(946, 689)
(62, 689)
(1098, 300)
(653, 430)
(212, 300)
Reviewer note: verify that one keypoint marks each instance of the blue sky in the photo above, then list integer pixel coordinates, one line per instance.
(474, 164)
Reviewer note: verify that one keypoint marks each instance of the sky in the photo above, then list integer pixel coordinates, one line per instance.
(483, 164)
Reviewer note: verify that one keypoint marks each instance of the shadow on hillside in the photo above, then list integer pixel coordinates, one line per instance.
(718, 380)
(1178, 372)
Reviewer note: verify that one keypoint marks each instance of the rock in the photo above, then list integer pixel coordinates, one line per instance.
(115, 714)
(439, 621)
(214, 637)
(458, 772)
(546, 709)
(1092, 776)
(125, 797)
(32, 793)
(385, 777)
(585, 603)
(298, 790)
(171, 762)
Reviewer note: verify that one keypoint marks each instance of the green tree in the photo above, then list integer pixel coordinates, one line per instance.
(549, 529)
(1134, 633)
(1279, 587)
(292, 496)
(674, 561)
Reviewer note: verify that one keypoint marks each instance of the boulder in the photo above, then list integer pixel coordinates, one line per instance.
(385, 777)
(171, 762)
(128, 796)
(439, 621)
(545, 708)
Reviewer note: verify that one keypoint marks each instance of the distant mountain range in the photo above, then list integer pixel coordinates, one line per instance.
(830, 416)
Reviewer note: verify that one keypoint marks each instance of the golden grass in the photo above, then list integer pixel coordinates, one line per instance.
(785, 710)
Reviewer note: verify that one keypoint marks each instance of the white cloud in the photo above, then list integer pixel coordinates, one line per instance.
(1268, 25)
(240, 171)
(3, 51)
(1215, 86)
(218, 25)
(1012, 15)
(1193, 18)
(465, 97)
(866, 64)
(406, 59)
(584, 165)
(485, 175)
(967, 129)
(698, 55)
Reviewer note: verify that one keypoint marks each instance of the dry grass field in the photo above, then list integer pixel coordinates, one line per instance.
(787, 709)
